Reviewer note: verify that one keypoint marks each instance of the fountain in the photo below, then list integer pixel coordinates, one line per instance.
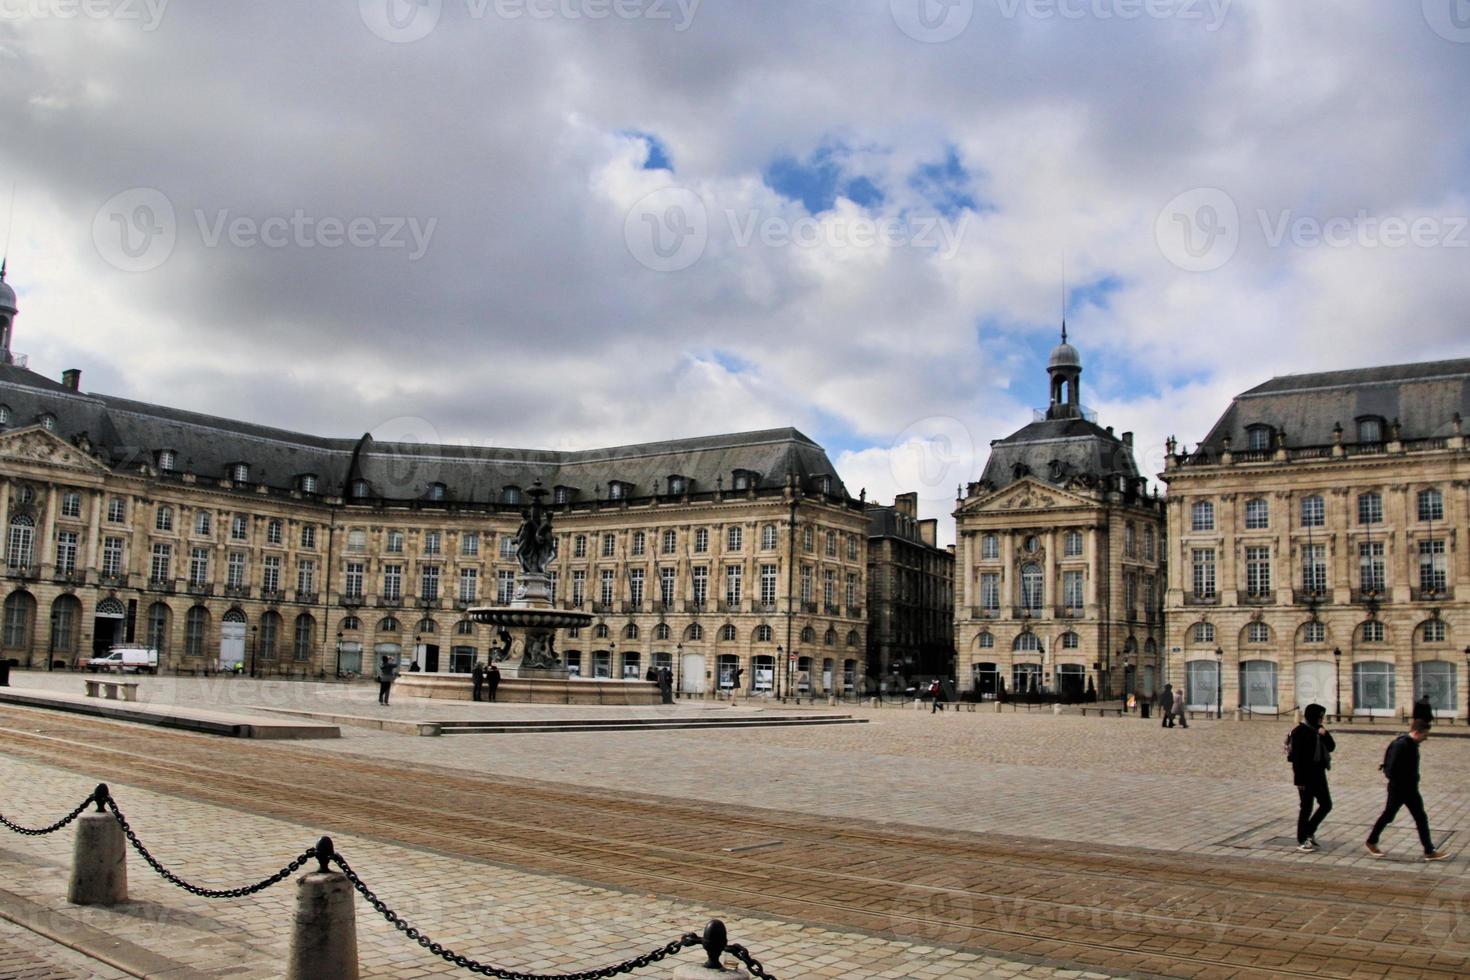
(531, 668)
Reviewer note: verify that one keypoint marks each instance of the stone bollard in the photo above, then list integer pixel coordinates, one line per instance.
(324, 933)
(99, 869)
(1056, 709)
(714, 942)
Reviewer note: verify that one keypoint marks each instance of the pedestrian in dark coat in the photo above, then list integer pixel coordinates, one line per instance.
(1166, 707)
(666, 685)
(1401, 767)
(936, 693)
(386, 672)
(1310, 755)
(1179, 708)
(492, 682)
(477, 680)
(1423, 711)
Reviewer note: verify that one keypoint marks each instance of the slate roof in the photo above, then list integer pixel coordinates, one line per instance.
(124, 433)
(1059, 451)
(1424, 397)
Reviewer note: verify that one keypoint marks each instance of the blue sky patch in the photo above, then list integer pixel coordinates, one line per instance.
(945, 185)
(818, 181)
(658, 153)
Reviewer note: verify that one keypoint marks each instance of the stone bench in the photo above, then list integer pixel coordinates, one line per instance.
(111, 690)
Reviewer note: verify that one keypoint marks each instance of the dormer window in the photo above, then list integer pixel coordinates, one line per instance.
(1370, 429)
(510, 495)
(617, 490)
(436, 491)
(167, 460)
(677, 485)
(1258, 438)
(742, 480)
(48, 422)
(307, 483)
(240, 472)
(4, 414)
(824, 483)
(361, 488)
(562, 495)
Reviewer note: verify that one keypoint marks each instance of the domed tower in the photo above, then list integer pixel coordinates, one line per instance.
(7, 316)
(1065, 368)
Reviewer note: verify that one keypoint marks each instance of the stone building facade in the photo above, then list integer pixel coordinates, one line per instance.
(1315, 550)
(222, 542)
(910, 595)
(1060, 558)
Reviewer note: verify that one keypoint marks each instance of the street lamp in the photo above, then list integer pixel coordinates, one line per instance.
(252, 649)
(1467, 683)
(1219, 683)
(1337, 659)
(678, 665)
(339, 653)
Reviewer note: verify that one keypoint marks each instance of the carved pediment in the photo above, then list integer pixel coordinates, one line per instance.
(1028, 494)
(36, 445)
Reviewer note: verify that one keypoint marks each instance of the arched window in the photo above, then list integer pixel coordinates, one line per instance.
(763, 634)
(270, 636)
(158, 623)
(852, 638)
(1148, 541)
(601, 632)
(831, 544)
(66, 618)
(1431, 505)
(20, 616)
(437, 491)
(630, 632)
(20, 549)
(1314, 632)
(808, 635)
(727, 633)
(1258, 633)
(361, 489)
(1373, 631)
(694, 632)
(1203, 633)
(305, 631)
(1069, 641)
(661, 631)
(671, 541)
(1031, 587)
(1258, 438)
(1072, 544)
(350, 624)
(196, 625)
(389, 624)
(1027, 643)
(465, 627)
(830, 638)
(426, 625)
(1433, 631)
(1370, 429)
(164, 519)
(987, 641)
(230, 616)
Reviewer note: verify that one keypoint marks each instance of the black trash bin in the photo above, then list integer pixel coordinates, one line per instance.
(4, 673)
(1143, 709)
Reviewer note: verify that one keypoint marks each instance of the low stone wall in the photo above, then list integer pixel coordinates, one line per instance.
(515, 690)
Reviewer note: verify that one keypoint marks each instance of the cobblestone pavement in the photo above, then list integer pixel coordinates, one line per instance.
(26, 956)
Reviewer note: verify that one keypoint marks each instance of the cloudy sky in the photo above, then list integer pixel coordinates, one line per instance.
(568, 223)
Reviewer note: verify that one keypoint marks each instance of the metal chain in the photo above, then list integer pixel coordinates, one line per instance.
(754, 965)
(192, 889)
(485, 969)
(42, 831)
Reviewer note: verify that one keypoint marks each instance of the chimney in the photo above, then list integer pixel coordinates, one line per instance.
(72, 378)
(929, 531)
(1128, 439)
(907, 504)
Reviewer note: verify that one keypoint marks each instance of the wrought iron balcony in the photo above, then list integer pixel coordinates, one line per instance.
(118, 581)
(75, 576)
(389, 602)
(352, 600)
(200, 588)
(1370, 597)
(1442, 594)
(1311, 597)
(237, 591)
(984, 612)
(22, 571)
(1069, 612)
(273, 595)
(1198, 599)
(307, 598)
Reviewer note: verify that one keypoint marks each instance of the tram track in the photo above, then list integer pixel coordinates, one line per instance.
(940, 889)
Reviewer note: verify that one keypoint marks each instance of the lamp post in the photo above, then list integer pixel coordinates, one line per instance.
(1467, 683)
(339, 653)
(1337, 659)
(775, 678)
(1219, 684)
(678, 666)
(253, 630)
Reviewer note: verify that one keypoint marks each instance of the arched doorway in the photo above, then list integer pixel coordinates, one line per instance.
(66, 623)
(107, 625)
(232, 640)
(691, 674)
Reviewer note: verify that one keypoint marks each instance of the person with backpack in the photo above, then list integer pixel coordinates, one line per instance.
(1309, 747)
(1401, 767)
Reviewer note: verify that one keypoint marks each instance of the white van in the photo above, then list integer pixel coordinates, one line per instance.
(126, 660)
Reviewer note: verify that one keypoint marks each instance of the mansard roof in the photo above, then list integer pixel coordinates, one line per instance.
(123, 433)
(1423, 397)
(1067, 451)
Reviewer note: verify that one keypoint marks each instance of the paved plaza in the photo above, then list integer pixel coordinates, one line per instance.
(1082, 805)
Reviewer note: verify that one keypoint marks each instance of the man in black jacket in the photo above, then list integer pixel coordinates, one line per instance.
(1401, 766)
(1311, 756)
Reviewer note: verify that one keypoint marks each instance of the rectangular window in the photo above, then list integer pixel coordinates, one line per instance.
(112, 556)
(308, 536)
(701, 541)
(852, 548)
(1370, 509)
(270, 574)
(635, 587)
(117, 510)
(1314, 512)
(579, 546)
(829, 587)
(1202, 516)
(239, 527)
(164, 520)
(553, 581)
(202, 524)
(579, 587)
(469, 584)
(508, 547)
(667, 582)
(609, 543)
(808, 539)
(199, 566)
(469, 544)
(432, 542)
(1258, 572)
(235, 570)
(395, 543)
(670, 542)
(768, 585)
(990, 591)
(852, 589)
(639, 540)
(1431, 505)
(352, 584)
(1314, 568)
(306, 575)
(429, 582)
(990, 546)
(274, 532)
(701, 586)
(1257, 514)
(1130, 541)
(161, 569)
(1072, 590)
(735, 539)
(66, 552)
(71, 505)
(1432, 565)
(733, 575)
(505, 586)
(1371, 576)
(606, 586)
(357, 540)
(393, 582)
(806, 583)
(1204, 572)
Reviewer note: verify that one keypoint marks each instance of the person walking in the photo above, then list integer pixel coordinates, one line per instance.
(1423, 711)
(492, 682)
(936, 694)
(477, 679)
(1310, 748)
(386, 672)
(666, 685)
(1166, 707)
(1401, 767)
(1179, 708)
